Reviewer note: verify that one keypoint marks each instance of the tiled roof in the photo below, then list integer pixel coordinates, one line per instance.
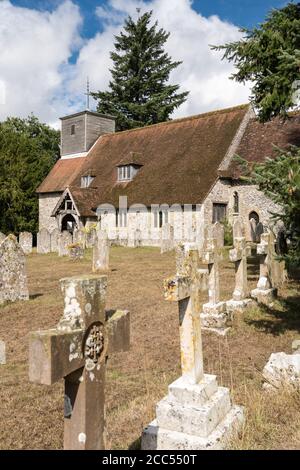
(61, 175)
(180, 160)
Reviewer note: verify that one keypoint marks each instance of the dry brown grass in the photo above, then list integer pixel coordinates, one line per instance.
(32, 415)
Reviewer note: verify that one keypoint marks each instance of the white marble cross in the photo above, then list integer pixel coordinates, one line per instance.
(185, 288)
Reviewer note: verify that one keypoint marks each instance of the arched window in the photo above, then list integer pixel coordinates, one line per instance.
(236, 208)
(254, 215)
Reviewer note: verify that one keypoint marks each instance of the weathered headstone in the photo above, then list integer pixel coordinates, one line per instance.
(77, 350)
(65, 240)
(91, 237)
(101, 252)
(54, 240)
(167, 238)
(43, 241)
(282, 370)
(76, 251)
(25, 241)
(259, 231)
(196, 414)
(265, 291)
(217, 232)
(238, 255)
(2, 353)
(253, 226)
(79, 237)
(214, 316)
(238, 227)
(13, 279)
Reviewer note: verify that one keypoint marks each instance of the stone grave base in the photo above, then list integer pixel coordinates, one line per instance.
(266, 296)
(235, 306)
(215, 318)
(193, 417)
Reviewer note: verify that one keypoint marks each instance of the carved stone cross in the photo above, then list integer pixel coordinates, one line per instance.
(238, 255)
(77, 350)
(265, 291)
(214, 315)
(185, 288)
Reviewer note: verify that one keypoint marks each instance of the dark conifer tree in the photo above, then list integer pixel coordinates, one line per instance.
(139, 92)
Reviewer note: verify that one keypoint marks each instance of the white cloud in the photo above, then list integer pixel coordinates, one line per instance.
(37, 47)
(202, 71)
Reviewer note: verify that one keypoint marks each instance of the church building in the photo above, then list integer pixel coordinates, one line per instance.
(165, 173)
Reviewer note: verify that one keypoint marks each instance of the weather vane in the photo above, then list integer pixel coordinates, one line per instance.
(87, 93)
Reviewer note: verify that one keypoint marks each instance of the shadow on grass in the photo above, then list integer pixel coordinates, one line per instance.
(283, 316)
(135, 445)
(35, 296)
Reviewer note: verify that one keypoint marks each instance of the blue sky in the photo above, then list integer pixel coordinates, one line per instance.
(245, 13)
(49, 47)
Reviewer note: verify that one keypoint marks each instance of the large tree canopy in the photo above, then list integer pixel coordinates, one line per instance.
(269, 56)
(139, 92)
(28, 150)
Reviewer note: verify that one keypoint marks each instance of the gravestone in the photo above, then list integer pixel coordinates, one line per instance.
(238, 255)
(91, 237)
(13, 279)
(2, 237)
(79, 237)
(77, 350)
(196, 414)
(214, 317)
(76, 251)
(282, 370)
(2, 353)
(101, 252)
(43, 241)
(25, 242)
(54, 240)
(253, 226)
(238, 227)
(265, 292)
(218, 232)
(167, 238)
(65, 240)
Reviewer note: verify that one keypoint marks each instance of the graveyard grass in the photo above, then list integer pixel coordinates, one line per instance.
(32, 415)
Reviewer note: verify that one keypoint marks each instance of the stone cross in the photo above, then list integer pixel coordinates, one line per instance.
(65, 240)
(167, 238)
(265, 291)
(101, 252)
(214, 316)
(13, 277)
(43, 241)
(238, 255)
(185, 288)
(77, 350)
(25, 241)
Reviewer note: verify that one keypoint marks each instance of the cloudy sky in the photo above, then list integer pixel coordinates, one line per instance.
(49, 47)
